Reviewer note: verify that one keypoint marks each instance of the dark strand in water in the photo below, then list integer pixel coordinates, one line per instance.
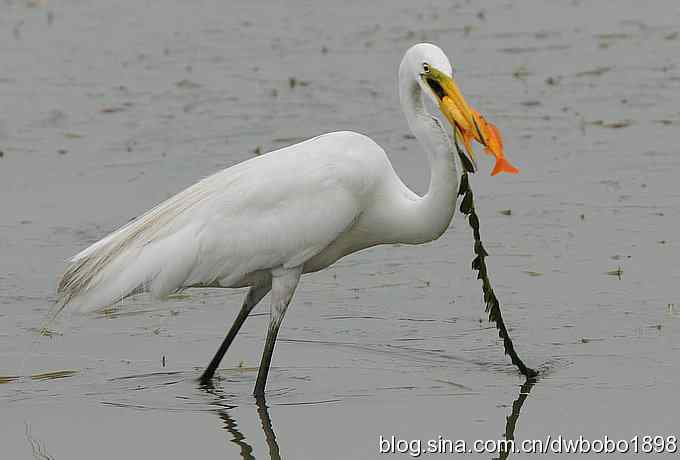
(493, 307)
(511, 421)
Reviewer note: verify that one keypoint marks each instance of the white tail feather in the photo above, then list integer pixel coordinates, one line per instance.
(112, 269)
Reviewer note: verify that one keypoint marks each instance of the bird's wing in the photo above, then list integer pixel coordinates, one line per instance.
(279, 209)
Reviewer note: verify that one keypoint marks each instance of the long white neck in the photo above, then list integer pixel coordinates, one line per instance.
(427, 217)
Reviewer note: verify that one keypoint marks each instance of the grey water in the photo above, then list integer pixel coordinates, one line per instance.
(110, 107)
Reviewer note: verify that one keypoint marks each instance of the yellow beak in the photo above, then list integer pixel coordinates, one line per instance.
(456, 110)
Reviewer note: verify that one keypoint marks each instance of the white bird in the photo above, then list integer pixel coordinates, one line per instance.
(264, 222)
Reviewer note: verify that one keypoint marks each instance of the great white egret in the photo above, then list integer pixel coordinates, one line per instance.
(264, 222)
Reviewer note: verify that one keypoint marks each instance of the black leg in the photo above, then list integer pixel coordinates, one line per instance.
(263, 372)
(284, 282)
(255, 294)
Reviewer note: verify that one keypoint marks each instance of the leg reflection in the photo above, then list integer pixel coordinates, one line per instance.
(230, 424)
(237, 437)
(267, 428)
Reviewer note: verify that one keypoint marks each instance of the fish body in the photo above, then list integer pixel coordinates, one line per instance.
(493, 145)
(484, 132)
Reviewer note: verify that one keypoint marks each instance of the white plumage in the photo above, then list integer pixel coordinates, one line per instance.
(263, 222)
(279, 209)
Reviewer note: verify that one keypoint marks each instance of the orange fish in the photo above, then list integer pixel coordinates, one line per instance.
(482, 131)
(493, 144)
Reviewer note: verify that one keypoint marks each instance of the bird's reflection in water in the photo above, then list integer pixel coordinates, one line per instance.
(511, 420)
(246, 449)
(232, 427)
(269, 435)
(237, 437)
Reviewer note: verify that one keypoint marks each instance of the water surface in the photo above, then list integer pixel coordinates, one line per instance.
(109, 109)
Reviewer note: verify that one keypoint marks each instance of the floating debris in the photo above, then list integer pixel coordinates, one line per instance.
(8, 379)
(178, 295)
(108, 311)
(521, 72)
(45, 332)
(612, 124)
(111, 109)
(612, 36)
(293, 82)
(72, 136)
(533, 273)
(544, 34)
(618, 272)
(588, 339)
(53, 375)
(505, 212)
(467, 29)
(665, 122)
(187, 84)
(596, 72)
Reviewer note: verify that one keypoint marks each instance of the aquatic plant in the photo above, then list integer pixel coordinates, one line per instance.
(493, 306)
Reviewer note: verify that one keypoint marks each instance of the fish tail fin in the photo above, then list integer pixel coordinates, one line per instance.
(503, 165)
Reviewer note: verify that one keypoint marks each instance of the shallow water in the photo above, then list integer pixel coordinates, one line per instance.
(111, 108)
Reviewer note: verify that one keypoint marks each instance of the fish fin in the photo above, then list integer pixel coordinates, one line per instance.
(503, 165)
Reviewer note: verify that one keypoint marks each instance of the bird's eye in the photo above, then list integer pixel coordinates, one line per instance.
(426, 67)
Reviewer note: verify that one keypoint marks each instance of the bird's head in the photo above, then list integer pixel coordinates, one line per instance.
(431, 69)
